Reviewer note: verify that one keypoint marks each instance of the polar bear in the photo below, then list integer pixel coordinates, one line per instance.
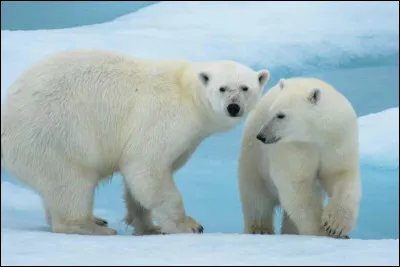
(76, 117)
(298, 144)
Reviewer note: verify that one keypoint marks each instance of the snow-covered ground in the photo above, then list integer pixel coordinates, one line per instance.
(286, 37)
(31, 248)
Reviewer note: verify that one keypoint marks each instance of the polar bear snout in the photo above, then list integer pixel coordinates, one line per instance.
(234, 110)
(261, 137)
(267, 136)
(267, 141)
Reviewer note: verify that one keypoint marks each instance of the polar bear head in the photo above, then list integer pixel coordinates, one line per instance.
(231, 89)
(300, 112)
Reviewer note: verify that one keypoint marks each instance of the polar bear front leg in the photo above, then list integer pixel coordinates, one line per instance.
(154, 188)
(288, 226)
(138, 216)
(298, 190)
(183, 159)
(303, 206)
(340, 215)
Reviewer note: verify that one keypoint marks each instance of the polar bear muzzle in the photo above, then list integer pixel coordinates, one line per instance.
(267, 136)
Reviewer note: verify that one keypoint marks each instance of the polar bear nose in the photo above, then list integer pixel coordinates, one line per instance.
(233, 109)
(261, 137)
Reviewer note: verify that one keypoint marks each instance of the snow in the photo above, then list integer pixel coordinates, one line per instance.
(379, 138)
(285, 37)
(218, 249)
(22, 244)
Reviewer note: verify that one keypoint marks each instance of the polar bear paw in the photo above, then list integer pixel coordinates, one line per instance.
(156, 230)
(100, 221)
(187, 225)
(259, 229)
(191, 225)
(90, 228)
(338, 220)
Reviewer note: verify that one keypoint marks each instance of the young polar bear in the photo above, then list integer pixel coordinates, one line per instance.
(302, 135)
(76, 117)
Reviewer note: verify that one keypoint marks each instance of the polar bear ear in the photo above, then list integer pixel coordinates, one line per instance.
(263, 77)
(204, 78)
(281, 83)
(314, 96)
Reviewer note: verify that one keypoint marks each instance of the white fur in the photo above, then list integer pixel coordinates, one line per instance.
(317, 149)
(75, 118)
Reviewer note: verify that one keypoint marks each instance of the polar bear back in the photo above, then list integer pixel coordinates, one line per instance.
(94, 93)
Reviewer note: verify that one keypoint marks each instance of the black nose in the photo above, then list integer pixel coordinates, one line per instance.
(261, 137)
(233, 109)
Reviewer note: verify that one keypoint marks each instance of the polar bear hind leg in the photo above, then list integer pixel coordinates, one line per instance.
(69, 210)
(257, 203)
(138, 216)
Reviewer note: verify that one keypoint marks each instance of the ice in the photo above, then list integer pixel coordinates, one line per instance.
(277, 35)
(353, 45)
(379, 138)
(24, 242)
(209, 250)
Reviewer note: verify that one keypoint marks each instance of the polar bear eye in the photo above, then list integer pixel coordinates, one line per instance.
(222, 89)
(280, 116)
(245, 88)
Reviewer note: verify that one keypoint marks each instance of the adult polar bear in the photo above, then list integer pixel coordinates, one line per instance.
(77, 117)
(307, 137)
